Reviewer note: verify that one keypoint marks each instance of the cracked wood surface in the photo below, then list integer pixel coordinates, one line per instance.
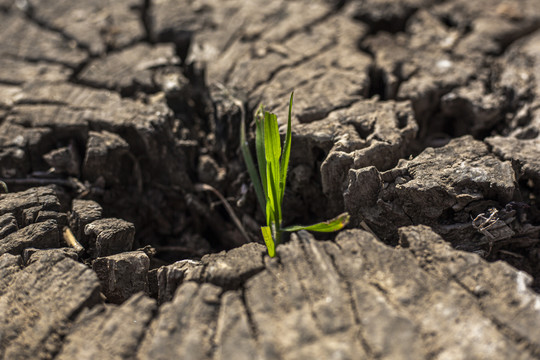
(407, 114)
(335, 299)
(352, 298)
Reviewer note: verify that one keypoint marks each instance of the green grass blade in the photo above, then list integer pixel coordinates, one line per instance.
(272, 200)
(267, 236)
(273, 151)
(270, 206)
(335, 224)
(252, 171)
(259, 148)
(286, 154)
(271, 137)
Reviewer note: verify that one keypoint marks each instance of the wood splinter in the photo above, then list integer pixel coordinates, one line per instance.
(70, 239)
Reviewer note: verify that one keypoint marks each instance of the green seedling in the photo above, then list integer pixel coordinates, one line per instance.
(270, 180)
(3, 186)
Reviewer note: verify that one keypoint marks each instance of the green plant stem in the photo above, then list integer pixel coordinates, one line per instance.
(273, 163)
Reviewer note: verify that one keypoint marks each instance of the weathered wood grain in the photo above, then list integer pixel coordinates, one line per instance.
(116, 331)
(40, 303)
(25, 40)
(95, 25)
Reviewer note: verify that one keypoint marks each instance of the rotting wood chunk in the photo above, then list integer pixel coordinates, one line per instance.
(109, 236)
(122, 275)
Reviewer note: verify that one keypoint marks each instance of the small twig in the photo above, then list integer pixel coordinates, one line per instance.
(230, 211)
(506, 252)
(70, 239)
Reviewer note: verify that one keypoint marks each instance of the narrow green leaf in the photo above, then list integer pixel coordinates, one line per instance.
(259, 148)
(267, 236)
(286, 154)
(252, 171)
(272, 151)
(271, 138)
(272, 202)
(4, 186)
(334, 224)
(270, 213)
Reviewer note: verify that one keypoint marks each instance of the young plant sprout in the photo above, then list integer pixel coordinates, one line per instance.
(269, 183)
